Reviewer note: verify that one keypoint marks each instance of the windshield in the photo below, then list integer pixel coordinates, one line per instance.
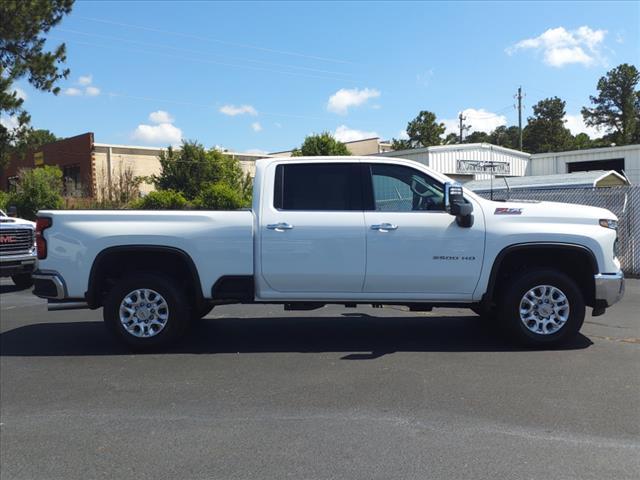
(2, 214)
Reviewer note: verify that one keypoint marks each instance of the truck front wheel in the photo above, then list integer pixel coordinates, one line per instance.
(543, 307)
(146, 311)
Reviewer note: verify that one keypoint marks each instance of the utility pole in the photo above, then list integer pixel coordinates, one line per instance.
(463, 127)
(519, 97)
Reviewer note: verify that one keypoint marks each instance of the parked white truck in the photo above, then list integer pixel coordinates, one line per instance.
(336, 230)
(17, 249)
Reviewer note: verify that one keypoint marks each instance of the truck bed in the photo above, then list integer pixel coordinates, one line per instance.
(219, 242)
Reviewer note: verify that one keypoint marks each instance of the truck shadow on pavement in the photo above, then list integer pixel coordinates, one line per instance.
(360, 337)
(10, 288)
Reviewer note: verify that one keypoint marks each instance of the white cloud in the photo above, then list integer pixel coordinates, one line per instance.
(561, 47)
(480, 120)
(345, 98)
(256, 126)
(160, 116)
(161, 134)
(92, 91)
(403, 135)
(10, 122)
(575, 123)
(232, 110)
(73, 92)
(85, 80)
(346, 134)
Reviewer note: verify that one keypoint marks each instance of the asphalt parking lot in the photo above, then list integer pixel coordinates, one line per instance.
(255, 392)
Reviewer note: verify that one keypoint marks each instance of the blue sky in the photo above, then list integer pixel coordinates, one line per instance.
(261, 76)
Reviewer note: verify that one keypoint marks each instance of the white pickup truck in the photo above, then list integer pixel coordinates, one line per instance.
(336, 230)
(17, 249)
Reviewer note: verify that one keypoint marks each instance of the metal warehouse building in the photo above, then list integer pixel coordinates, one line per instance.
(466, 162)
(624, 160)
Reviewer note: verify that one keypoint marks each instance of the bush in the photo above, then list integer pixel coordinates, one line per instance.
(37, 189)
(161, 200)
(4, 200)
(219, 196)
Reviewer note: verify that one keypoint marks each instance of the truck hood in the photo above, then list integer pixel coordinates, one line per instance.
(10, 222)
(549, 211)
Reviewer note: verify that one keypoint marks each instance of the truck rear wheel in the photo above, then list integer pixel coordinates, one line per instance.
(543, 307)
(146, 311)
(22, 280)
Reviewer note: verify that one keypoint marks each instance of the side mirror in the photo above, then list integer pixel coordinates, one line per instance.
(12, 211)
(455, 204)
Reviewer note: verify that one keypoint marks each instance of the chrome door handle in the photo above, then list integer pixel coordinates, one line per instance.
(280, 227)
(384, 227)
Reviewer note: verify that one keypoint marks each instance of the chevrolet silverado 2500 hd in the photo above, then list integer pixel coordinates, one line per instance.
(345, 230)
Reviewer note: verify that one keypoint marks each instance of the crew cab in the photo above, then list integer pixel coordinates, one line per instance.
(336, 230)
(17, 249)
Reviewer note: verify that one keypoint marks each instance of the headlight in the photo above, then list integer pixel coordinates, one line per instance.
(606, 223)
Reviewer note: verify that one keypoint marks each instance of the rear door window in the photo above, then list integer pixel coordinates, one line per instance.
(318, 186)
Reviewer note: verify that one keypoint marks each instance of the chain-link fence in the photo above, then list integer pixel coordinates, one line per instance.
(624, 202)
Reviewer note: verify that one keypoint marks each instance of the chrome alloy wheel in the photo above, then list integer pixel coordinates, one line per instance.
(144, 313)
(544, 309)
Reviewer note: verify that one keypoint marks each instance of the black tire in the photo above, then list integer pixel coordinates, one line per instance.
(177, 312)
(22, 280)
(486, 314)
(519, 285)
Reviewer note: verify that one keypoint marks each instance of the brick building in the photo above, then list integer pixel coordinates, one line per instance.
(73, 155)
(88, 166)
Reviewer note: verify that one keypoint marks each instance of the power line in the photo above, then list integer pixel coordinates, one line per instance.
(146, 44)
(205, 106)
(217, 40)
(224, 64)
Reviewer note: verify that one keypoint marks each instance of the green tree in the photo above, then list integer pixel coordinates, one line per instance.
(451, 139)
(617, 105)
(508, 137)
(545, 131)
(400, 144)
(424, 130)
(189, 169)
(22, 54)
(477, 137)
(37, 189)
(4, 200)
(582, 140)
(323, 144)
(31, 139)
(34, 139)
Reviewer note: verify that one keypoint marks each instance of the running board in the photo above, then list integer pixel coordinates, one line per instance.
(55, 306)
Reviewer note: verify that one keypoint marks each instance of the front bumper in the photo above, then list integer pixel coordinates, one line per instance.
(609, 288)
(17, 264)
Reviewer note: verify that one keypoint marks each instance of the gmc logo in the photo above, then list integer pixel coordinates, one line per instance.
(7, 239)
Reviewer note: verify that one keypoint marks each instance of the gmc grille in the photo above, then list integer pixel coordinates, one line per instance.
(15, 241)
